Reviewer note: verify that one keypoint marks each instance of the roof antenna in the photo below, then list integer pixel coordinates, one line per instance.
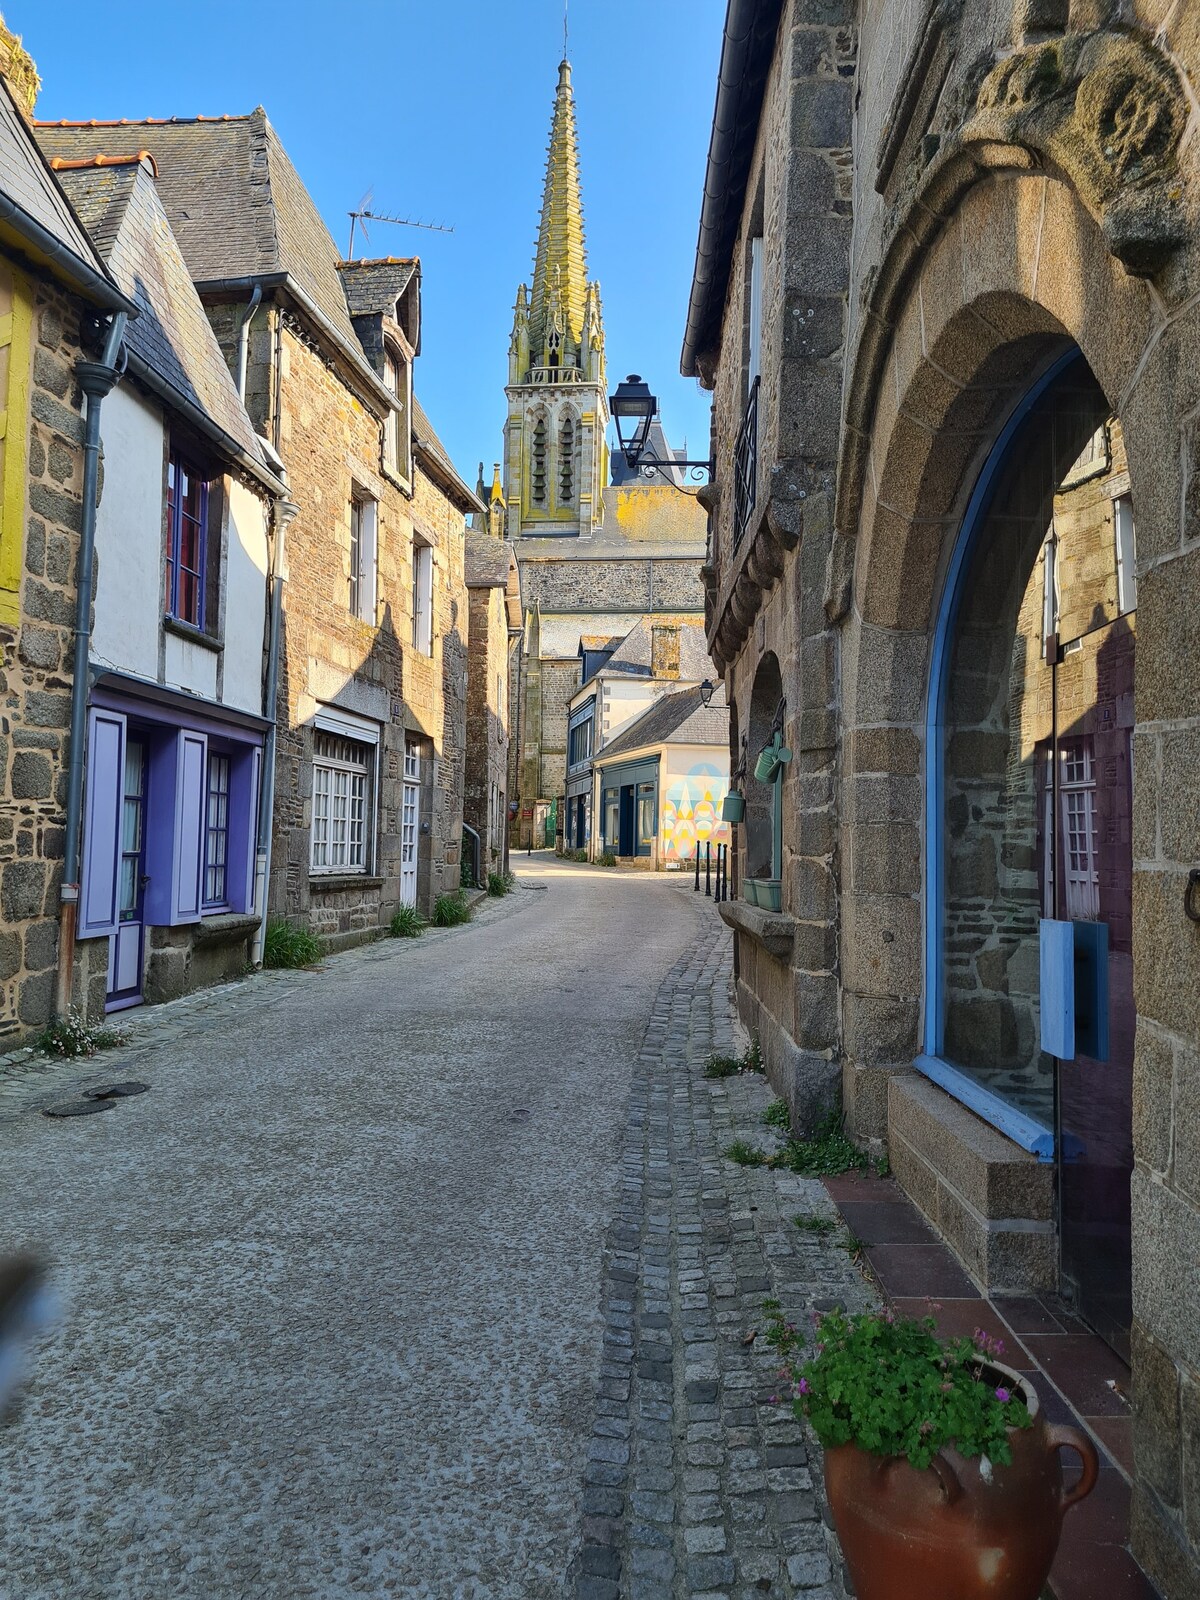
(360, 216)
(565, 5)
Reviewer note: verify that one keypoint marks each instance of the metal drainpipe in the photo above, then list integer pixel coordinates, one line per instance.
(96, 379)
(243, 340)
(285, 512)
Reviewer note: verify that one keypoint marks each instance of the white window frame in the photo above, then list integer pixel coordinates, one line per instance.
(364, 555)
(422, 598)
(341, 773)
(397, 428)
(410, 823)
(1125, 540)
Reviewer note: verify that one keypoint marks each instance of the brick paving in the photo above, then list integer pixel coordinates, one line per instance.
(697, 1487)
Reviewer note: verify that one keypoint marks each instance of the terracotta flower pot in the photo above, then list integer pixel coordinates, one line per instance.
(953, 1531)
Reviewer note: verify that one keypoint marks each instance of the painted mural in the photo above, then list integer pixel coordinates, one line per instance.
(690, 812)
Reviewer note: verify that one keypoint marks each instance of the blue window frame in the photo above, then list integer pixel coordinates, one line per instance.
(186, 542)
(1024, 1129)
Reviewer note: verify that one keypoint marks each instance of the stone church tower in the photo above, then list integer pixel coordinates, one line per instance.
(555, 456)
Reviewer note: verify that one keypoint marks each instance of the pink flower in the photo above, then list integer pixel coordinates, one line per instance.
(802, 1386)
(1004, 1396)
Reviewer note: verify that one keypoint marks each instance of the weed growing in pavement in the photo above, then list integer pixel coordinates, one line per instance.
(745, 1154)
(408, 923)
(449, 910)
(821, 1226)
(70, 1036)
(289, 946)
(778, 1116)
(499, 883)
(826, 1154)
(853, 1245)
(606, 860)
(730, 1066)
(882, 1168)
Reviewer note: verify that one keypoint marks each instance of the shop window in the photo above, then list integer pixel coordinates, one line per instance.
(1032, 676)
(342, 773)
(216, 831)
(186, 543)
(612, 819)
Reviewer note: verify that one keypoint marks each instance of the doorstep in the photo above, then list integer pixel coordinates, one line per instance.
(1078, 1378)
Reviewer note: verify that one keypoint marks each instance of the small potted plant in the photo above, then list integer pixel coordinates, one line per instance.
(943, 1477)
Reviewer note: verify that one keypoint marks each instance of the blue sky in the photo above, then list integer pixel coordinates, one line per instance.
(442, 109)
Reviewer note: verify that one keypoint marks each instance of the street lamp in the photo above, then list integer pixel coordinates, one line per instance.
(633, 409)
(707, 690)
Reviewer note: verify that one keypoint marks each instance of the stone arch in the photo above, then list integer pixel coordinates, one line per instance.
(766, 700)
(1015, 275)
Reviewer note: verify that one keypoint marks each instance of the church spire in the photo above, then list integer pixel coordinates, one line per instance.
(558, 302)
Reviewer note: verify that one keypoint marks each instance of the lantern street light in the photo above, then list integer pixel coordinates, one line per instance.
(707, 690)
(633, 410)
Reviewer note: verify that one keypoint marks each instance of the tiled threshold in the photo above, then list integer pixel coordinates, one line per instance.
(1078, 1378)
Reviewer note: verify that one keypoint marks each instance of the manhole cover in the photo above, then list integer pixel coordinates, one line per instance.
(519, 1115)
(116, 1091)
(77, 1108)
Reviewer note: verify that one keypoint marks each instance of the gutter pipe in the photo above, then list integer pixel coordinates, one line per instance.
(743, 25)
(243, 341)
(96, 379)
(86, 278)
(284, 513)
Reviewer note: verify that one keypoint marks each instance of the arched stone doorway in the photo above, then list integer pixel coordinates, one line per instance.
(766, 712)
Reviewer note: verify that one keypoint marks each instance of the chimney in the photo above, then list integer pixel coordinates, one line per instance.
(664, 650)
(17, 67)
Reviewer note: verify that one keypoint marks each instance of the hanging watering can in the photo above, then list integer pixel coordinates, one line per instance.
(733, 807)
(770, 759)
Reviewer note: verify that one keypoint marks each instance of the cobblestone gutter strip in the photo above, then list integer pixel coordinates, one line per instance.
(27, 1076)
(697, 1487)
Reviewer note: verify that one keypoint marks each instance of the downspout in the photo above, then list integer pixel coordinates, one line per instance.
(96, 379)
(243, 341)
(283, 513)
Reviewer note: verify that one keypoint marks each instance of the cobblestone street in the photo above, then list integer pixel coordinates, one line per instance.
(421, 1274)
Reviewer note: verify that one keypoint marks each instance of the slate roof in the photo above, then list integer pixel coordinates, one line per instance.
(373, 287)
(634, 652)
(488, 561)
(237, 205)
(656, 445)
(427, 441)
(27, 181)
(678, 718)
(120, 207)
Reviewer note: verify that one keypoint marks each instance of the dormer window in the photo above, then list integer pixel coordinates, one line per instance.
(397, 430)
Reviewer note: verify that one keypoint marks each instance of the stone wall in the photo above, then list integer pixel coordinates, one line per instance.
(487, 726)
(36, 671)
(614, 584)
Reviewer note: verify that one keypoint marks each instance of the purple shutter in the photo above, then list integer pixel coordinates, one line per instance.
(244, 766)
(176, 798)
(99, 912)
(191, 797)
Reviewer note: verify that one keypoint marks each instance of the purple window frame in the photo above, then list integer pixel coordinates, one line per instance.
(176, 513)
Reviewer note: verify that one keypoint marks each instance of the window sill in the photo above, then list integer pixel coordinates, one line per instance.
(397, 479)
(775, 931)
(224, 927)
(343, 880)
(184, 630)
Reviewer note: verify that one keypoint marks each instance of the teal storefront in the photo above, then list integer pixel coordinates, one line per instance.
(629, 806)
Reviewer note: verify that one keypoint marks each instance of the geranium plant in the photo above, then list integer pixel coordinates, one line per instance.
(890, 1386)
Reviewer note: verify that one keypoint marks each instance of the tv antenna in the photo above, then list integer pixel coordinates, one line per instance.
(362, 213)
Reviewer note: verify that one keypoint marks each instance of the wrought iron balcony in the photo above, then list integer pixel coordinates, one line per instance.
(745, 466)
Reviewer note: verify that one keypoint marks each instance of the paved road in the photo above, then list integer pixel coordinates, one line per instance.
(333, 1286)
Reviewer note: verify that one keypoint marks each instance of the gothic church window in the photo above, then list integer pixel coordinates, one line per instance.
(538, 471)
(566, 463)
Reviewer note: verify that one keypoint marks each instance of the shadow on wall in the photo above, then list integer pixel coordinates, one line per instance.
(765, 702)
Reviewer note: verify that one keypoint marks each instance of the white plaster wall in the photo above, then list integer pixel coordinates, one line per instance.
(129, 535)
(245, 599)
(624, 699)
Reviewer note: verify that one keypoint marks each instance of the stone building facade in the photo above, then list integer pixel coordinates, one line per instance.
(494, 629)
(594, 556)
(370, 714)
(56, 298)
(944, 303)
